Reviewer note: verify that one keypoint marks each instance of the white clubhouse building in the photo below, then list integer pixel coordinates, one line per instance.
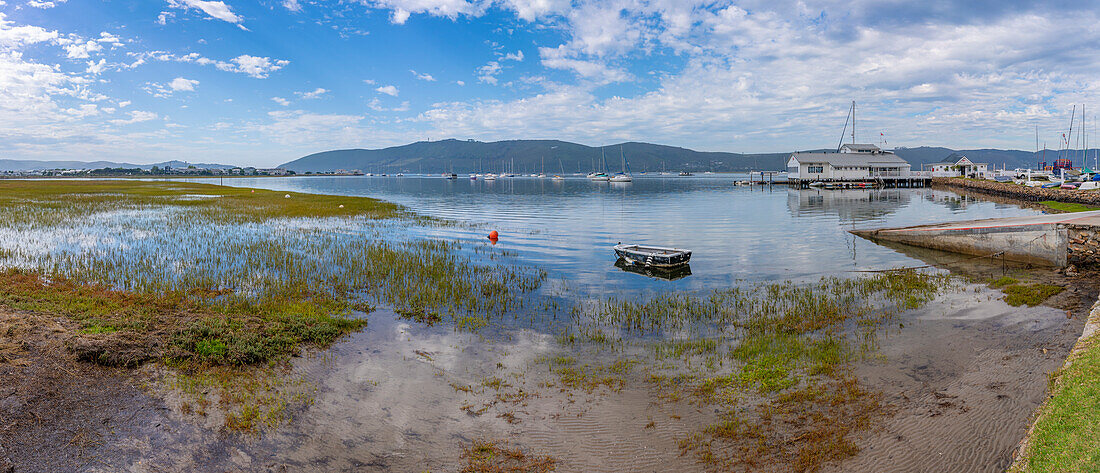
(854, 162)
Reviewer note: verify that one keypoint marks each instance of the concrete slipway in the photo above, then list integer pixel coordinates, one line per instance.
(1055, 240)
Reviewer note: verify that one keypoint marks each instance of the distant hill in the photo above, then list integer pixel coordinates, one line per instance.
(30, 165)
(528, 156)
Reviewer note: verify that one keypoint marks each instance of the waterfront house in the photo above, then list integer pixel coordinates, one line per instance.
(957, 165)
(854, 162)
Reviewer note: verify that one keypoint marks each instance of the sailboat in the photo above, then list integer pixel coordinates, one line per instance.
(558, 177)
(599, 175)
(622, 176)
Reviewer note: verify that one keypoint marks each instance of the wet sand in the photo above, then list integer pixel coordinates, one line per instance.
(962, 387)
(961, 377)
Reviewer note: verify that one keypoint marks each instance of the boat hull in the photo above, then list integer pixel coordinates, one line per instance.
(639, 256)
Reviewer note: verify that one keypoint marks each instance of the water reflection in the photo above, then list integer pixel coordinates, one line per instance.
(850, 205)
(737, 233)
(668, 274)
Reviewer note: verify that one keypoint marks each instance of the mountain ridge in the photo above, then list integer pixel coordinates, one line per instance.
(529, 156)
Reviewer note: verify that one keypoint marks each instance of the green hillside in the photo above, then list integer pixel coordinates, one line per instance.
(530, 156)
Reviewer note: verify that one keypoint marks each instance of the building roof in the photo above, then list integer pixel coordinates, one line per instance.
(850, 159)
(954, 159)
(860, 147)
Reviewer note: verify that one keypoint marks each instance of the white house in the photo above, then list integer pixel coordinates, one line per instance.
(958, 165)
(854, 162)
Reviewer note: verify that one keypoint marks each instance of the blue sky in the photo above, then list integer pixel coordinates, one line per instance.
(265, 82)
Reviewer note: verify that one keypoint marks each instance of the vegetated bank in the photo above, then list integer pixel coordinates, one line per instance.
(222, 285)
(1066, 432)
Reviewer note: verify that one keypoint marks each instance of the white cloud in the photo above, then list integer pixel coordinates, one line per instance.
(368, 81)
(922, 82)
(162, 18)
(297, 127)
(44, 4)
(316, 93)
(388, 90)
(516, 56)
(136, 116)
(108, 38)
(292, 5)
(459, 82)
(489, 72)
(595, 70)
(81, 50)
(124, 104)
(180, 84)
(15, 37)
(424, 76)
(96, 68)
(214, 9)
(254, 66)
(280, 101)
(403, 9)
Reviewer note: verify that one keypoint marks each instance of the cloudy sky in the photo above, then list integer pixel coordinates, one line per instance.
(262, 82)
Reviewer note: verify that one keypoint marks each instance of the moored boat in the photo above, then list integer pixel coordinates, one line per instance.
(655, 256)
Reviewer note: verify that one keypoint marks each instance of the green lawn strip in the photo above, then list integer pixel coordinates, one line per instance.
(1068, 206)
(232, 204)
(1066, 436)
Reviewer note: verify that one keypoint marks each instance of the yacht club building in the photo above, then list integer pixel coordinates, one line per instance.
(854, 163)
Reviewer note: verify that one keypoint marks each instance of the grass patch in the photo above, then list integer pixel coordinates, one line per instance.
(1030, 294)
(52, 201)
(1068, 206)
(1067, 432)
(681, 348)
(778, 373)
(484, 456)
(1003, 281)
(206, 277)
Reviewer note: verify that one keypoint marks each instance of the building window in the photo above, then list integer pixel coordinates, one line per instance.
(815, 169)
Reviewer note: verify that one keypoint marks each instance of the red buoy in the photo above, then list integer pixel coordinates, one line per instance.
(493, 235)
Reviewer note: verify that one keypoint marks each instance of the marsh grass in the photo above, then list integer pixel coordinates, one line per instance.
(1030, 294)
(485, 456)
(773, 359)
(250, 400)
(205, 277)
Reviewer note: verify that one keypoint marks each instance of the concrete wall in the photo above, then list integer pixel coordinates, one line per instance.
(1036, 244)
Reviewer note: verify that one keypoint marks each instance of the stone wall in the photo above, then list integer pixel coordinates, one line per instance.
(1010, 189)
(1082, 245)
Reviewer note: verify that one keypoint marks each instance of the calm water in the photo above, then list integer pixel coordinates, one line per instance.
(386, 399)
(736, 232)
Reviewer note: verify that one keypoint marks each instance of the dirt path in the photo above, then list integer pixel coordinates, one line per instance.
(59, 414)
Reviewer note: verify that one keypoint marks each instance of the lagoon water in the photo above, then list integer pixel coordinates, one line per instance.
(736, 233)
(961, 375)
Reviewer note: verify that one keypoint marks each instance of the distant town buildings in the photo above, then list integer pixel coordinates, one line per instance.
(153, 171)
